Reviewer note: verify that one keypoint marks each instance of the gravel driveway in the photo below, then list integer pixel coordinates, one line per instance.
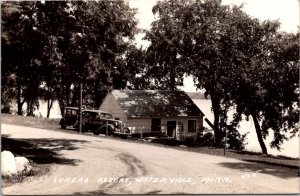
(83, 164)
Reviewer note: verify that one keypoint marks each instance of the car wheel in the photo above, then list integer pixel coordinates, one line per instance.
(83, 127)
(95, 132)
(63, 126)
(102, 130)
(109, 131)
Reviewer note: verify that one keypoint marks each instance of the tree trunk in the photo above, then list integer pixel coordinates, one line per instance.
(49, 106)
(258, 133)
(62, 105)
(20, 112)
(19, 102)
(216, 109)
(75, 96)
(30, 107)
(63, 97)
(172, 80)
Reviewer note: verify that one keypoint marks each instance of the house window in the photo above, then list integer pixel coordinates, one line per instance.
(156, 125)
(191, 125)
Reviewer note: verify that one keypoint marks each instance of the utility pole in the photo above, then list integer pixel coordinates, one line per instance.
(81, 68)
(80, 106)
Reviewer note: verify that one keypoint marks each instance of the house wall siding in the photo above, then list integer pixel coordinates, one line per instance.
(138, 125)
(111, 106)
(184, 121)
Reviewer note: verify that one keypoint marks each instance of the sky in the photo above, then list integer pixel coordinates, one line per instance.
(286, 11)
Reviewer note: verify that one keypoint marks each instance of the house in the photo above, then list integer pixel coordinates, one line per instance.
(151, 112)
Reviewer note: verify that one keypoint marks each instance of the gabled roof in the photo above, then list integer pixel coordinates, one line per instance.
(153, 103)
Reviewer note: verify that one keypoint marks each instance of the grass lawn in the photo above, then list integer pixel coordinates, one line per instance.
(29, 121)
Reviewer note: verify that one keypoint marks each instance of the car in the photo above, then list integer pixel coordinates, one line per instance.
(70, 117)
(100, 122)
(96, 121)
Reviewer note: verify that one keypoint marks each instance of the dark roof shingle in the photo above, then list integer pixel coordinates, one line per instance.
(153, 103)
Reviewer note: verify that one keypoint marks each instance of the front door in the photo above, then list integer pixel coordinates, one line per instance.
(171, 128)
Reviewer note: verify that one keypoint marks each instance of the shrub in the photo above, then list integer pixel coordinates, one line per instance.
(204, 138)
(235, 140)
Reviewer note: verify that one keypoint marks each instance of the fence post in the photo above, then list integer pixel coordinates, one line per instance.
(106, 128)
(225, 142)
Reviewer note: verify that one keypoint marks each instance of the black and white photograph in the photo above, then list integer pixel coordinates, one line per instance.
(150, 97)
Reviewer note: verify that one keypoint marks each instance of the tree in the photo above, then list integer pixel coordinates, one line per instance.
(60, 45)
(136, 69)
(85, 44)
(248, 54)
(164, 53)
(228, 53)
(267, 88)
(101, 29)
(284, 52)
(22, 48)
(193, 37)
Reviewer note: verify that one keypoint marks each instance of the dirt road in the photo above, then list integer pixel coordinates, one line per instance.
(83, 164)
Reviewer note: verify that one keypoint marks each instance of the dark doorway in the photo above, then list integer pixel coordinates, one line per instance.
(171, 127)
(156, 125)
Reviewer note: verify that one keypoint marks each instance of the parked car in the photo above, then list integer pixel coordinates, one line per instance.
(100, 122)
(70, 117)
(96, 121)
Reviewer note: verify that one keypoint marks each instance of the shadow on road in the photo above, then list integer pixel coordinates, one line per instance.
(41, 151)
(97, 192)
(101, 192)
(277, 171)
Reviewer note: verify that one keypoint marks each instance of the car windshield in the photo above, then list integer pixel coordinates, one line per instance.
(92, 114)
(108, 116)
(70, 112)
(85, 114)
